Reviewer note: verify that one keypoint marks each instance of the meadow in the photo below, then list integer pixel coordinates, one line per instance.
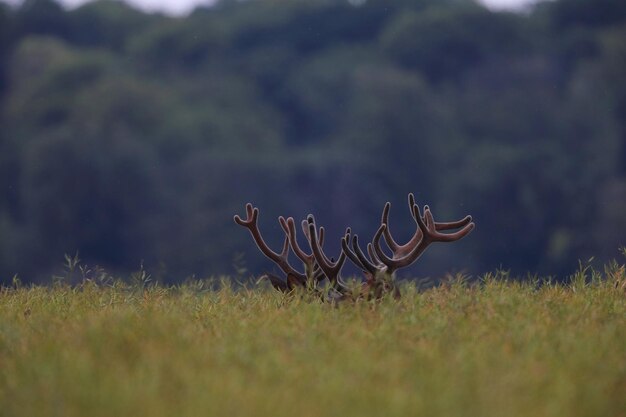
(492, 346)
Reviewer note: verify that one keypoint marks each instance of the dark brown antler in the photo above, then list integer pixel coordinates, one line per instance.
(373, 265)
(294, 277)
(312, 269)
(330, 267)
(428, 232)
(402, 250)
(379, 268)
(378, 280)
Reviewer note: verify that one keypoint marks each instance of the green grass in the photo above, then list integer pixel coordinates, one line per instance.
(495, 348)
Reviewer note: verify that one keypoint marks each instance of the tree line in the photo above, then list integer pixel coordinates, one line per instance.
(132, 138)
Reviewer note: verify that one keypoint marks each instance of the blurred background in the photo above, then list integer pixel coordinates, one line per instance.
(130, 136)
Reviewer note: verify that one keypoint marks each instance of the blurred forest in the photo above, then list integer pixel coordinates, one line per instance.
(133, 138)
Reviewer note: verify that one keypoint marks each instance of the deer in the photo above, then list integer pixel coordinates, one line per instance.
(378, 267)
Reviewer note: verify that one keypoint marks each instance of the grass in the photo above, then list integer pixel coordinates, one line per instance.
(492, 348)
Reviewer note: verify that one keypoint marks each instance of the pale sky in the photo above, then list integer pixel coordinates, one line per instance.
(180, 7)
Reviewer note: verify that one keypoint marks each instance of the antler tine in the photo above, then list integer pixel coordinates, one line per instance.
(281, 259)
(429, 227)
(393, 245)
(312, 268)
(441, 226)
(305, 230)
(359, 261)
(372, 254)
(453, 225)
(285, 251)
(289, 226)
(252, 216)
(330, 268)
(290, 231)
(349, 253)
(391, 263)
(357, 256)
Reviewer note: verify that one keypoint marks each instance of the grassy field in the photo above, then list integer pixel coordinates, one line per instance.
(491, 348)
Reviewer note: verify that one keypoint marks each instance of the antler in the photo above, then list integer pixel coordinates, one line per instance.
(312, 269)
(401, 250)
(378, 279)
(373, 265)
(330, 267)
(379, 268)
(294, 277)
(427, 233)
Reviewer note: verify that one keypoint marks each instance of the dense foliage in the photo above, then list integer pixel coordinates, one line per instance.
(496, 348)
(133, 137)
